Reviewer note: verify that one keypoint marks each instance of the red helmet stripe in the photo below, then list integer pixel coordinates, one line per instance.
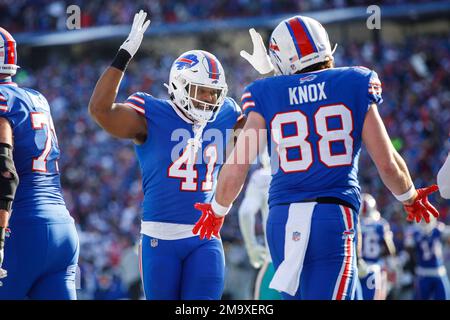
(8, 40)
(301, 39)
(213, 69)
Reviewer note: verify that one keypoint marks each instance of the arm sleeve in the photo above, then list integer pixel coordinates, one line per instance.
(6, 108)
(137, 101)
(250, 101)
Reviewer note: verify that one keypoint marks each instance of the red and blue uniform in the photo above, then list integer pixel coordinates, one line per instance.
(173, 258)
(41, 254)
(314, 123)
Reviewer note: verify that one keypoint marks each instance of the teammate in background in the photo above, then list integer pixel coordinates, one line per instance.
(179, 164)
(443, 178)
(256, 199)
(316, 117)
(41, 253)
(425, 246)
(378, 250)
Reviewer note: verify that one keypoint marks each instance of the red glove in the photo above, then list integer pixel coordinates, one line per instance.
(208, 223)
(421, 208)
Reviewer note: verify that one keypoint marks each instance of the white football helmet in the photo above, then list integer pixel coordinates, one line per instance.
(191, 72)
(8, 53)
(297, 43)
(369, 207)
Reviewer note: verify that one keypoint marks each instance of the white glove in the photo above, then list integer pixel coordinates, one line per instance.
(259, 59)
(136, 34)
(257, 254)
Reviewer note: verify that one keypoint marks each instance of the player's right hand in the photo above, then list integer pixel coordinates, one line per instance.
(208, 224)
(259, 59)
(421, 207)
(133, 42)
(257, 255)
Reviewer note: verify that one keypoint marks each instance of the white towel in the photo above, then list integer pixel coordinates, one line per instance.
(298, 227)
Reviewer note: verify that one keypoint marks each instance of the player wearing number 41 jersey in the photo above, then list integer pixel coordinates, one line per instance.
(179, 144)
(41, 252)
(316, 117)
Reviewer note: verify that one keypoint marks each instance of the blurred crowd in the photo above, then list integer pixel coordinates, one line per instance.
(100, 174)
(46, 15)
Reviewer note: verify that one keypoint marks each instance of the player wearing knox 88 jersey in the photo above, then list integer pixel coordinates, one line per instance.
(41, 252)
(179, 144)
(316, 118)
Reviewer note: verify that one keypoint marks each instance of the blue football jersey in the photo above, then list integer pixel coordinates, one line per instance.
(373, 235)
(314, 123)
(171, 183)
(36, 153)
(428, 246)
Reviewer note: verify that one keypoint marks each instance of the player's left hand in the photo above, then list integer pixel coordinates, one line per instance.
(133, 42)
(259, 59)
(208, 224)
(421, 207)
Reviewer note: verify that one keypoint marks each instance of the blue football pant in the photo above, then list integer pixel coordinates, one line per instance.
(434, 288)
(329, 268)
(41, 261)
(184, 269)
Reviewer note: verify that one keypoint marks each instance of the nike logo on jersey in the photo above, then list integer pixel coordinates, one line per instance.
(307, 93)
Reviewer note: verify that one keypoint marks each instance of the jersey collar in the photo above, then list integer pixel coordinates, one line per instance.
(179, 113)
(7, 81)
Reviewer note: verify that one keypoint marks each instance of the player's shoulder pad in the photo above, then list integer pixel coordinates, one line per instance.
(139, 101)
(233, 105)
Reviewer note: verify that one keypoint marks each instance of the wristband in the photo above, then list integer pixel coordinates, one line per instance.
(121, 60)
(218, 209)
(407, 195)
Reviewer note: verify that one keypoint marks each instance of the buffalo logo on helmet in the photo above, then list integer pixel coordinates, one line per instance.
(186, 62)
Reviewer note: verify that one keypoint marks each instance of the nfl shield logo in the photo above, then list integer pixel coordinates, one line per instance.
(296, 236)
(154, 242)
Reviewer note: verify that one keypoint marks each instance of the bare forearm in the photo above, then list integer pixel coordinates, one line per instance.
(395, 175)
(105, 92)
(231, 180)
(4, 217)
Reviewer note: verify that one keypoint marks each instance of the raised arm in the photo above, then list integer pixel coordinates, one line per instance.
(232, 177)
(117, 118)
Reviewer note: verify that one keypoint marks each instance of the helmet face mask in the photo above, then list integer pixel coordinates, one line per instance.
(297, 43)
(8, 53)
(197, 85)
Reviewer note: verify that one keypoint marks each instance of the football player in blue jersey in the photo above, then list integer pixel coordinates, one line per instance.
(425, 245)
(41, 253)
(377, 250)
(315, 118)
(179, 145)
